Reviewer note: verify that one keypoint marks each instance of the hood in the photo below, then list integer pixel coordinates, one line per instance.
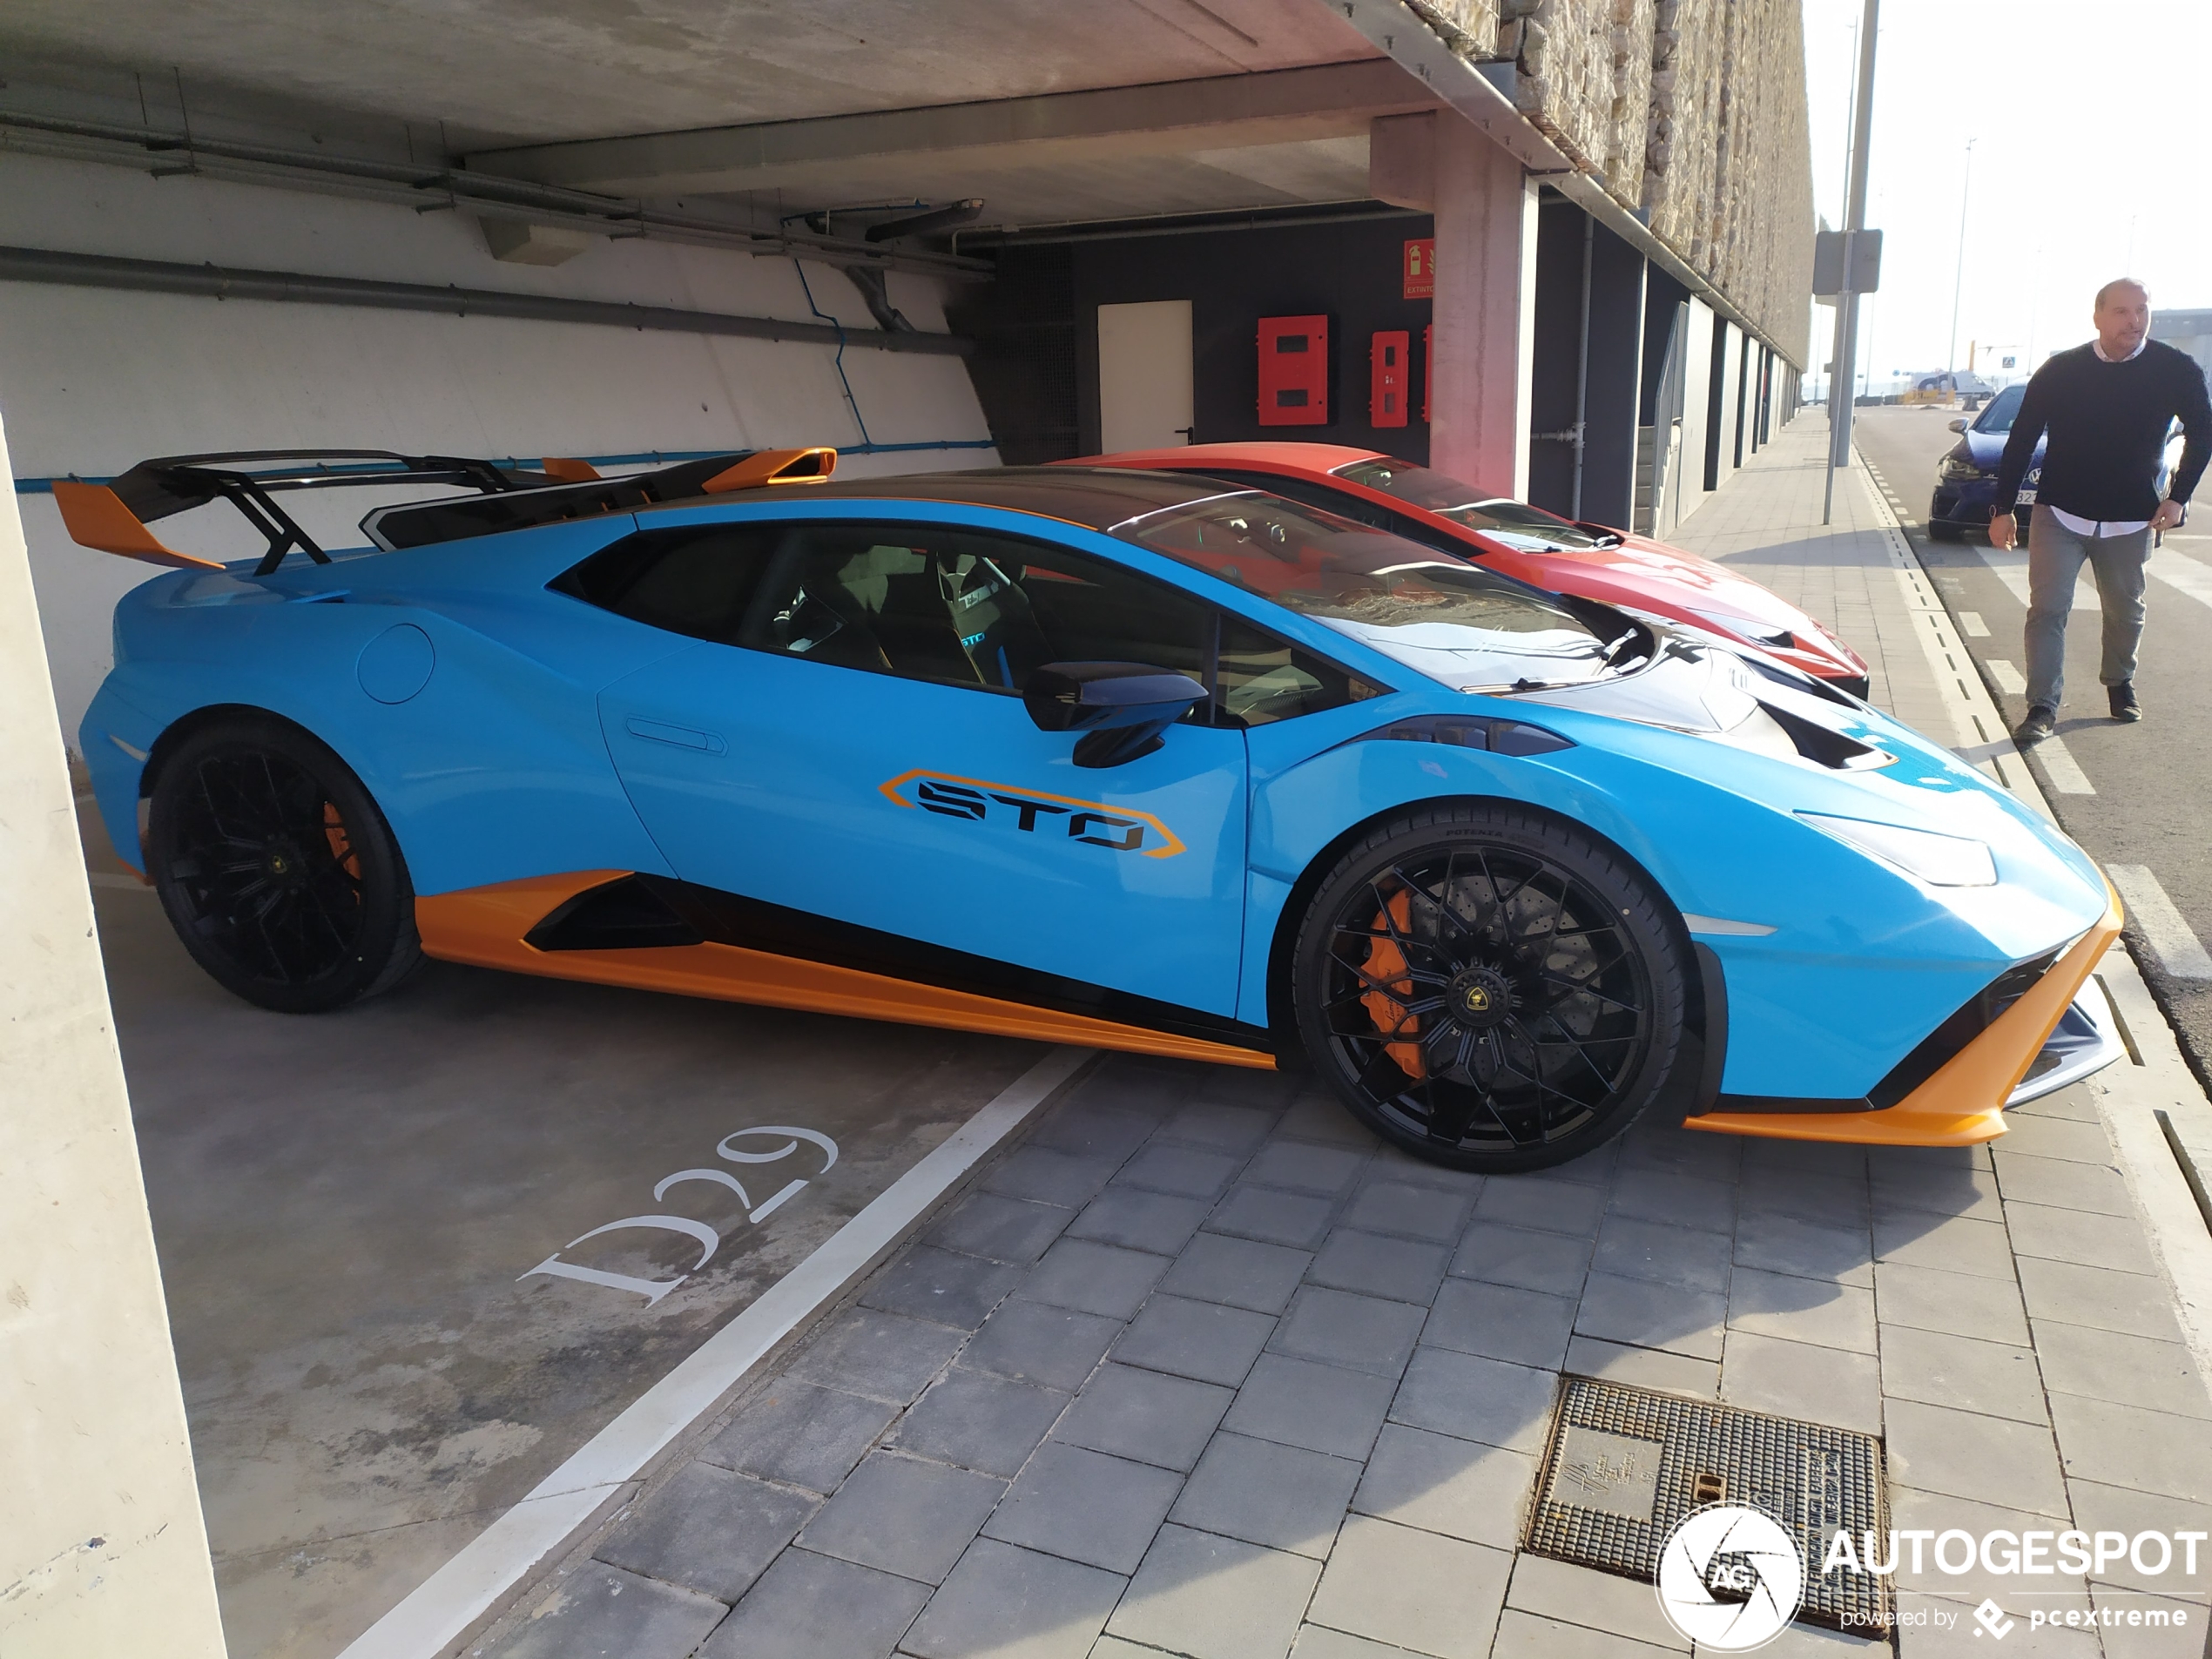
(1631, 569)
(1985, 450)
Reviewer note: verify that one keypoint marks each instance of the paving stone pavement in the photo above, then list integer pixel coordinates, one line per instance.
(1201, 1368)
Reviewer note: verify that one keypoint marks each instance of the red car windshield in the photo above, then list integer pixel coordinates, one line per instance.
(1523, 527)
(1468, 627)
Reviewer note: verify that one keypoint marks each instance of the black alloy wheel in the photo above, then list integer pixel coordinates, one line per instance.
(277, 871)
(1490, 989)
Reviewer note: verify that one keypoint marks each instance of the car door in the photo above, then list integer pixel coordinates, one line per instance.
(847, 743)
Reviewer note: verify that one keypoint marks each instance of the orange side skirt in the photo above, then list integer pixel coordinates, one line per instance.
(484, 927)
(1963, 1103)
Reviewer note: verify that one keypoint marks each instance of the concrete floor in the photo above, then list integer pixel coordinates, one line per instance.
(343, 1206)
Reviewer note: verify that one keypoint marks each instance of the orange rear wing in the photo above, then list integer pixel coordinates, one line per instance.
(97, 517)
(114, 516)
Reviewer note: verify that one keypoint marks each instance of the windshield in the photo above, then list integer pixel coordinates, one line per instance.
(1469, 628)
(1520, 526)
(1997, 419)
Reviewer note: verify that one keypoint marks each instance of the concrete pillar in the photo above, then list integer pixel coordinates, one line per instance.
(1482, 348)
(102, 1546)
(1696, 406)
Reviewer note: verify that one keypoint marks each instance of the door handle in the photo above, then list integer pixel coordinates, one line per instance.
(683, 736)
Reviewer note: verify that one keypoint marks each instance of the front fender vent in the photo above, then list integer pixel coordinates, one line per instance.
(1499, 737)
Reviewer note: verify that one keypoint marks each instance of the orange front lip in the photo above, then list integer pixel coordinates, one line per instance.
(1963, 1103)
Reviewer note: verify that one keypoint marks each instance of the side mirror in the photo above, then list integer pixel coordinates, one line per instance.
(1121, 708)
(1959, 426)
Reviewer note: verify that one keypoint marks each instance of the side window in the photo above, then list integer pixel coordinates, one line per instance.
(920, 602)
(1261, 680)
(925, 602)
(698, 580)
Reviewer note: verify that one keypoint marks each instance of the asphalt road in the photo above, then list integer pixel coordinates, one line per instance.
(2136, 796)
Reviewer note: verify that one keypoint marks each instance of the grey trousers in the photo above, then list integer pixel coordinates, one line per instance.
(2054, 556)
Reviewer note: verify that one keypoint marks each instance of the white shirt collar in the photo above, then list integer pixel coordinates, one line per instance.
(2098, 346)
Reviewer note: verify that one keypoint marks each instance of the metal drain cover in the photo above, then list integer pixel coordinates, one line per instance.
(1626, 1463)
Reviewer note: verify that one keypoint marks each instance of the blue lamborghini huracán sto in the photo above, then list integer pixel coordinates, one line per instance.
(1116, 757)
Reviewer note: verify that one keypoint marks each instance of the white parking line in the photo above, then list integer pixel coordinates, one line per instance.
(440, 1610)
(2179, 571)
(2059, 766)
(2164, 928)
(2007, 678)
(1971, 625)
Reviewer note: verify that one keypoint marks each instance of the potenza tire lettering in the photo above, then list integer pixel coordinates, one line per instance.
(1030, 812)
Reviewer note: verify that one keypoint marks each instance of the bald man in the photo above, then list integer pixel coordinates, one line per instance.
(2108, 406)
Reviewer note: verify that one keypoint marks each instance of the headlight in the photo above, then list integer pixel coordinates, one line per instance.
(1940, 860)
(1759, 633)
(1957, 469)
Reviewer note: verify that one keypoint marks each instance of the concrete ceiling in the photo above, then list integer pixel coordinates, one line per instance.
(523, 72)
(1051, 111)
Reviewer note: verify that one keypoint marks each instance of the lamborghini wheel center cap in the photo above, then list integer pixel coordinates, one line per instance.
(1479, 997)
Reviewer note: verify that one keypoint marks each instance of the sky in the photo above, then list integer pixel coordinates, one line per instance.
(2089, 132)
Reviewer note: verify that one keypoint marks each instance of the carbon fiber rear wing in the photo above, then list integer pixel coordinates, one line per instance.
(114, 516)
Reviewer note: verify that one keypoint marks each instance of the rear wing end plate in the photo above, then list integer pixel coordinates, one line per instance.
(97, 517)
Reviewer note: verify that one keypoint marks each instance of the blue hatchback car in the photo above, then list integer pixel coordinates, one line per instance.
(1132, 760)
(1966, 489)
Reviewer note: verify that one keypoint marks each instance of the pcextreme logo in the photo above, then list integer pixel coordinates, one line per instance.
(1030, 812)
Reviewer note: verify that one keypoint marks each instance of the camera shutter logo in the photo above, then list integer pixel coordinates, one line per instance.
(1730, 1579)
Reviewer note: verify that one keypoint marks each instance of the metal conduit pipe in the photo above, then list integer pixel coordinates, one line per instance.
(1582, 365)
(428, 185)
(219, 282)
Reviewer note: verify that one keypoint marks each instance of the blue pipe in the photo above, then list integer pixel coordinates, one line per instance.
(808, 288)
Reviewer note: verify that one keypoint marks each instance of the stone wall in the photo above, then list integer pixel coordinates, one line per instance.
(1689, 112)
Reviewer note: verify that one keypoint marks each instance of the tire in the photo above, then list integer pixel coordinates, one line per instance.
(1939, 530)
(278, 871)
(1549, 1052)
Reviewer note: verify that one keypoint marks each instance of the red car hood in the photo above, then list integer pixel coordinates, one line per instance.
(1654, 577)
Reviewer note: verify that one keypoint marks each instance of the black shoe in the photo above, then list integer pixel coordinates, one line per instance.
(2122, 698)
(2039, 724)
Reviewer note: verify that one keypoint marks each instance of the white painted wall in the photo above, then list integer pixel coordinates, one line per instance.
(102, 1547)
(94, 380)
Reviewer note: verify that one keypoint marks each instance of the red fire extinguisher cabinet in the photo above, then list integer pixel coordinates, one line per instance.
(1294, 371)
(1388, 377)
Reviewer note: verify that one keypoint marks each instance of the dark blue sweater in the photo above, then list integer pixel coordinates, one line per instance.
(2108, 423)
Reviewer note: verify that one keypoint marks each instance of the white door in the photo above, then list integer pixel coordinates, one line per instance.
(1145, 376)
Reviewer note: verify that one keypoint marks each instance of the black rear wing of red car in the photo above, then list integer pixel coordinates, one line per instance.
(114, 516)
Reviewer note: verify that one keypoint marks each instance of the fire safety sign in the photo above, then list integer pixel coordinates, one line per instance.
(1421, 269)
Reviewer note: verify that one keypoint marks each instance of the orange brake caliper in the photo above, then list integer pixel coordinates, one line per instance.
(1386, 963)
(342, 846)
